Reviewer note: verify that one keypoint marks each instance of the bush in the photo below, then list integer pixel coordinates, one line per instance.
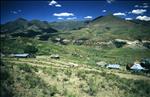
(25, 68)
(44, 37)
(119, 44)
(30, 49)
(93, 86)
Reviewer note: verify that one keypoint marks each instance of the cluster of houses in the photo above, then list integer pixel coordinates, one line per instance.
(135, 67)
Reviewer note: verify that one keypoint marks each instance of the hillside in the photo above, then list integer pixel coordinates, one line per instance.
(111, 27)
(76, 72)
(47, 77)
(103, 28)
(24, 28)
(68, 25)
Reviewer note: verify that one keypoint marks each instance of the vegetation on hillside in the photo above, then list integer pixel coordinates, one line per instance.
(79, 46)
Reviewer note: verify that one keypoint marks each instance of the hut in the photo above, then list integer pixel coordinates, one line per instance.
(113, 66)
(24, 55)
(55, 56)
(137, 68)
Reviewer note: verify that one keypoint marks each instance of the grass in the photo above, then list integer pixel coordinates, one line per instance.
(28, 80)
(79, 53)
(52, 78)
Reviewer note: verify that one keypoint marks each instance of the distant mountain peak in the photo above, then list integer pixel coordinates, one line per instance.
(97, 18)
(20, 19)
(107, 18)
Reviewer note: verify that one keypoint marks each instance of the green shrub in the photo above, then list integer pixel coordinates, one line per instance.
(25, 68)
(93, 86)
(30, 49)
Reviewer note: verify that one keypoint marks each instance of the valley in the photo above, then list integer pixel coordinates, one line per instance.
(70, 58)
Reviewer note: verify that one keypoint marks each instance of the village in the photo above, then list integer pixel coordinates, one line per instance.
(138, 66)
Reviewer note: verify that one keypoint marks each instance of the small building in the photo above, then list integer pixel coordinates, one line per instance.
(55, 56)
(65, 41)
(25, 55)
(137, 68)
(113, 66)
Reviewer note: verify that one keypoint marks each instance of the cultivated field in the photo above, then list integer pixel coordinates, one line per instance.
(46, 77)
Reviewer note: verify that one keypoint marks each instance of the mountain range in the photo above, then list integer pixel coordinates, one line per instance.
(102, 28)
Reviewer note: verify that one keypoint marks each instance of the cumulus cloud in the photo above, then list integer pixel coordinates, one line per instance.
(59, 18)
(88, 17)
(119, 14)
(16, 11)
(128, 19)
(103, 10)
(143, 18)
(71, 18)
(63, 14)
(144, 5)
(53, 2)
(138, 11)
(136, 5)
(19, 10)
(58, 5)
(110, 1)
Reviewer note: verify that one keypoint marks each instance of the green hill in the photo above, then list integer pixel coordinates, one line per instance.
(68, 25)
(24, 28)
(111, 27)
(76, 73)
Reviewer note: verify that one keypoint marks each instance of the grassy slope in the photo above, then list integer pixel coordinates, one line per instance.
(111, 27)
(42, 77)
(81, 54)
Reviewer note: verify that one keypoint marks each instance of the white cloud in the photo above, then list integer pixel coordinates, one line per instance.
(88, 17)
(103, 10)
(72, 18)
(59, 18)
(53, 2)
(136, 5)
(144, 18)
(63, 14)
(110, 1)
(16, 11)
(19, 10)
(128, 19)
(57, 5)
(139, 11)
(129, 12)
(119, 14)
(145, 6)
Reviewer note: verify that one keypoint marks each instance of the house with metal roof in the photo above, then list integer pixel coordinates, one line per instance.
(24, 55)
(113, 66)
(55, 56)
(137, 68)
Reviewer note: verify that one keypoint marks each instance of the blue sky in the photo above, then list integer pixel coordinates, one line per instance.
(59, 10)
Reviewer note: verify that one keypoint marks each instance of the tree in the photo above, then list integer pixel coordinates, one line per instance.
(30, 49)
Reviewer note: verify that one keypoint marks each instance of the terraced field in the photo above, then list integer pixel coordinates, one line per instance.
(44, 61)
(80, 80)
